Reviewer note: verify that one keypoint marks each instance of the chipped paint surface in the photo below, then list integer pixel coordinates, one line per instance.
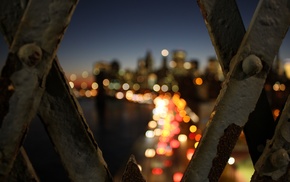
(78, 142)
(240, 91)
(71, 136)
(29, 81)
(275, 159)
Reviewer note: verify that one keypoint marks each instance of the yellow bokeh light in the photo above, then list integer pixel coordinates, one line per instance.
(95, 85)
(192, 128)
(152, 124)
(71, 84)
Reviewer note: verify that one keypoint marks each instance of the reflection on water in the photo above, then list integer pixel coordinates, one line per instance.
(160, 135)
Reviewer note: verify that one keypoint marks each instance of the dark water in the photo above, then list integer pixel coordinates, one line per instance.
(124, 123)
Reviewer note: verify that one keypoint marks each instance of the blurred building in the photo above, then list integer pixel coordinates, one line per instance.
(177, 74)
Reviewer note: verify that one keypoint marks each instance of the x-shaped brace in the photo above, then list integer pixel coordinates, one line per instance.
(34, 83)
(246, 58)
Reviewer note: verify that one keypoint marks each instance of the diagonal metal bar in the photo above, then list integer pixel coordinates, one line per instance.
(225, 27)
(273, 165)
(35, 44)
(10, 16)
(62, 102)
(69, 132)
(226, 30)
(241, 89)
(22, 169)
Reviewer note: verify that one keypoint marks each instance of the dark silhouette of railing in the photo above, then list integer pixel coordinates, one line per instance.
(31, 74)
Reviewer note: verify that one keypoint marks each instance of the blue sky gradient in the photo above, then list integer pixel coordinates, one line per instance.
(126, 30)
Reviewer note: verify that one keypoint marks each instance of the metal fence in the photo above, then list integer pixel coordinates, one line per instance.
(34, 29)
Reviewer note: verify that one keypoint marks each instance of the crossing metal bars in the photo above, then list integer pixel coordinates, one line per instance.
(33, 31)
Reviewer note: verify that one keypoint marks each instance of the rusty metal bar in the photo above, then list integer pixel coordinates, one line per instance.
(11, 14)
(274, 161)
(35, 43)
(22, 169)
(132, 172)
(226, 30)
(83, 142)
(241, 89)
(225, 27)
(69, 132)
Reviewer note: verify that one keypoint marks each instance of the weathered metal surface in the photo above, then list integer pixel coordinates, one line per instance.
(10, 16)
(240, 91)
(11, 13)
(226, 30)
(22, 169)
(77, 145)
(43, 25)
(69, 132)
(132, 172)
(274, 162)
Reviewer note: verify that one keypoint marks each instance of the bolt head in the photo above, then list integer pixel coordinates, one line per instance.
(252, 65)
(30, 54)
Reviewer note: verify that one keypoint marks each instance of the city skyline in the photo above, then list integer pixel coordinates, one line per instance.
(125, 31)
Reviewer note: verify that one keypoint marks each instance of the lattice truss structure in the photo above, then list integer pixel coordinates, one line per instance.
(33, 30)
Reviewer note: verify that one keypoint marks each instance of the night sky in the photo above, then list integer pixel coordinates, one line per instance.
(126, 30)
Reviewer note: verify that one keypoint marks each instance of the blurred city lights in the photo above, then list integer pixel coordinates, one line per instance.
(85, 74)
(177, 176)
(136, 86)
(197, 137)
(231, 161)
(164, 88)
(182, 138)
(140, 167)
(84, 85)
(88, 93)
(156, 87)
(196, 144)
(152, 124)
(157, 132)
(164, 52)
(175, 88)
(276, 113)
(172, 64)
(149, 134)
(125, 86)
(119, 95)
(187, 65)
(150, 153)
(73, 77)
(190, 153)
(157, 171)
(95, 85)
(71, 84)
(198, 81)
(192, 128)
(106, 82)
(174, 143)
